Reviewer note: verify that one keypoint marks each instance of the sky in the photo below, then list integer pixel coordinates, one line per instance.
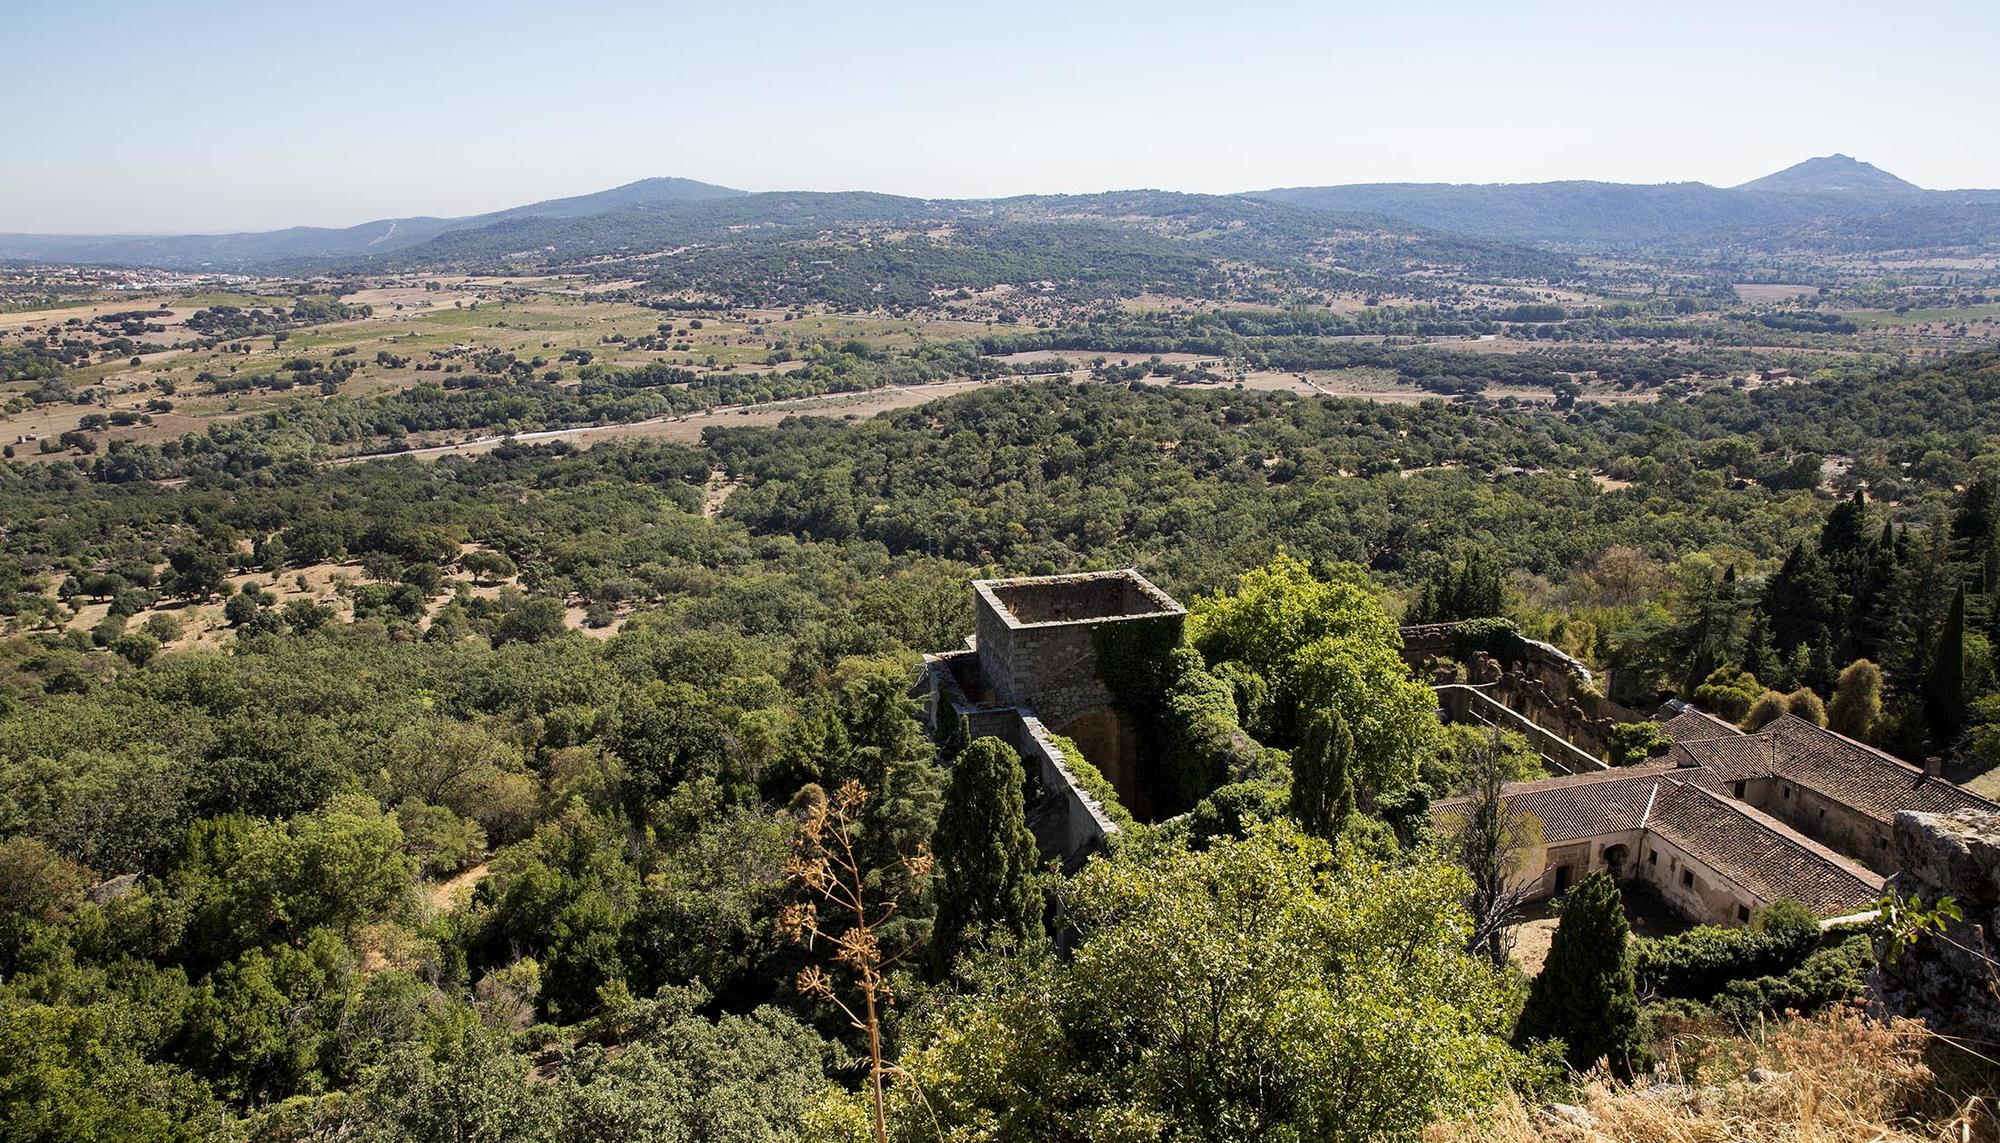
(196, 117)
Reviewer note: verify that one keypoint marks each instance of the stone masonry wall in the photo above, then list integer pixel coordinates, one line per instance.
(1952, 979)
(1069, 825)
(1037, 637)
(1550, 688)
(1461, 703)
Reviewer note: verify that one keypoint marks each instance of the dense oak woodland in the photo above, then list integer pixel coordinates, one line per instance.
(435, 864)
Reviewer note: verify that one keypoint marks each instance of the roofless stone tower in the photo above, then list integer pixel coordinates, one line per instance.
(1032, 671)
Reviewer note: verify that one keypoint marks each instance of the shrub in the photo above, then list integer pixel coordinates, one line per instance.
(1803, 703)
(1634, 742)
(1857, 700)
(135, 647)
(1700, 963)
(1497, 637)
(441, 842)
(1767, 709)
(1728, 692)
(164, 627)
(1205, 747)
(1828, 976)
(1225, 812)
(108, 630)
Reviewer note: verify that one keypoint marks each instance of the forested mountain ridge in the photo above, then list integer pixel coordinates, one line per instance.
(1782, 211)
(1832, 203)
(300, 244)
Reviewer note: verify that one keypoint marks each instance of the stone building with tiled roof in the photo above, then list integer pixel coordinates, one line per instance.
(1711, 858)
(1842, 793)
(1729, 822)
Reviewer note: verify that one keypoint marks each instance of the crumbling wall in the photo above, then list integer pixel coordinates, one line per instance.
(1951, 979)
(1460, 703)
(1068, 822)
(1538, 680)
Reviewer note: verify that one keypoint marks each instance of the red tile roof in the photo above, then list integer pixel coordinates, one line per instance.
(1828, 763)
(1759, 853)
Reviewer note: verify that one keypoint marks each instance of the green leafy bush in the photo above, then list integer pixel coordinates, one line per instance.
(1828, 976)
(1702, 962)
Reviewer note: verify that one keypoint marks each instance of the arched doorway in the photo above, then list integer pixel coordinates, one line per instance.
(1615, 859)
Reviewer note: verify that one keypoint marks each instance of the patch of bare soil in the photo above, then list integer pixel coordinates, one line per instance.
(716, 493)
(449, 894)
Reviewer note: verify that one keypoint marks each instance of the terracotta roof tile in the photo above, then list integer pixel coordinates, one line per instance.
(1573, 806)
(1686, 798)
(1733, 759)
(1691, 724)
(1860, 776)
(1759, 853)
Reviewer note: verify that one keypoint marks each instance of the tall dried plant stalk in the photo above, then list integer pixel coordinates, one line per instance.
(843, 914)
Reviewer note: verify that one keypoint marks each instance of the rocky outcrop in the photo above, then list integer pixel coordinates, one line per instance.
(1949, 979)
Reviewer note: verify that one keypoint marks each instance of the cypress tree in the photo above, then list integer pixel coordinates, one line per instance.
(1322, 776)
(1759, 657)
(1944, 684)
(987, 869)
(1586, 995)
(1917, 603)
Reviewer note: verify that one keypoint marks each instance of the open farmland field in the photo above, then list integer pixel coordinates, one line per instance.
(399, 335)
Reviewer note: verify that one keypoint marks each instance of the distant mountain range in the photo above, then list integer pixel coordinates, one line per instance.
(1832, 204)
(315, 243)
(1832, 199)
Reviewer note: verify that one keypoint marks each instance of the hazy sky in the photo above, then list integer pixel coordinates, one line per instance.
(158, 116)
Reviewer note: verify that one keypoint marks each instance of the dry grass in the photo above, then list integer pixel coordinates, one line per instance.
(1835, 1078)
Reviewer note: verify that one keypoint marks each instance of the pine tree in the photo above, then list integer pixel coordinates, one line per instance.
(1759, 657)
(1322, 776)
(989, 883)
(1802, 601)
(1972, 522)
(1867, 577)
(1819, 674)
(1846, 528)
(1944, 684)
(1586, 995)
(1714, 607)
